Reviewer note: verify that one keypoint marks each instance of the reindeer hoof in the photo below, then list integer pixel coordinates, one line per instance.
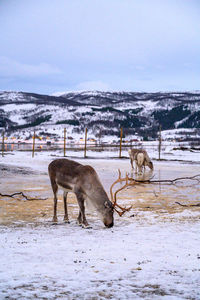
(86, 226)
(55, 221)
(66, 220)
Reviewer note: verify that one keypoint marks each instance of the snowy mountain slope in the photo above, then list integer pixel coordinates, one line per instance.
(101, 112)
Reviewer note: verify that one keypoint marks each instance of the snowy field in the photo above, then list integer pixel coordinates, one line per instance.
(152, 252)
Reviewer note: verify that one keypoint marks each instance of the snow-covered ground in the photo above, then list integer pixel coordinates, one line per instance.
(152, 252)
(130, 261)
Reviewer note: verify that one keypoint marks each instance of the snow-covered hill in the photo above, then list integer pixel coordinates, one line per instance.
(103, 113)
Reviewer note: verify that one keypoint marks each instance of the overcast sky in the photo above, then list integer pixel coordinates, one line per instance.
(49, 46)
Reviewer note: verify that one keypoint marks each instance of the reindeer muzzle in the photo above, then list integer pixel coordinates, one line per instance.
(109, 225)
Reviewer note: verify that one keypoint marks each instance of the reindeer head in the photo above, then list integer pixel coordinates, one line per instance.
(107, 215)
(150, 165)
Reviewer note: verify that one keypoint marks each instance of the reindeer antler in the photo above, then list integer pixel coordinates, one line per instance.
(128, 182)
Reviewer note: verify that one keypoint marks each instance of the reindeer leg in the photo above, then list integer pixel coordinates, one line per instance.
(66, 219)
(141, 170)
(136, 168)
(80, 200)
(55, 190)
(79, 219)
(132, 163)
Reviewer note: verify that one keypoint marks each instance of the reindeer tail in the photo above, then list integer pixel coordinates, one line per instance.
(140, 159)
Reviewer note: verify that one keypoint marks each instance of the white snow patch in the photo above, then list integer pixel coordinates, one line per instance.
(17, 107)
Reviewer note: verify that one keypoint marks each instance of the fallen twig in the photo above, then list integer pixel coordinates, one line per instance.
(185, 205)
(170, 180)
(23, 195)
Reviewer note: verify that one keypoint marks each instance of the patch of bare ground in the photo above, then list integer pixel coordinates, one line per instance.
(159, 199)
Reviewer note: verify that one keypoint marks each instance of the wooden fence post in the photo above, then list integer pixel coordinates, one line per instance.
(160, 142)
(2, 145)
(33, 149)
(120, 146)
(85, 143)
(64, 141)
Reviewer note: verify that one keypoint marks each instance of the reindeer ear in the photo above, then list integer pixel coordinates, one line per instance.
(107, 204)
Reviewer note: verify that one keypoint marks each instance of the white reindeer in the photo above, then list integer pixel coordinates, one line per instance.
(141, 159)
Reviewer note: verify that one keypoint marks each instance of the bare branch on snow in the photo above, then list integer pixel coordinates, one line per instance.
(23, 195)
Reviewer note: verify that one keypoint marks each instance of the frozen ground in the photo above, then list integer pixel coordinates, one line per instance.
(134, 260)
(152, 252)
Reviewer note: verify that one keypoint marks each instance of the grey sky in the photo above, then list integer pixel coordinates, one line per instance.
(133, 45)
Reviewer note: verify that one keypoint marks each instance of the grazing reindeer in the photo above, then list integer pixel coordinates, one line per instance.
(141, 159)
(141, 162)
(84, 182)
